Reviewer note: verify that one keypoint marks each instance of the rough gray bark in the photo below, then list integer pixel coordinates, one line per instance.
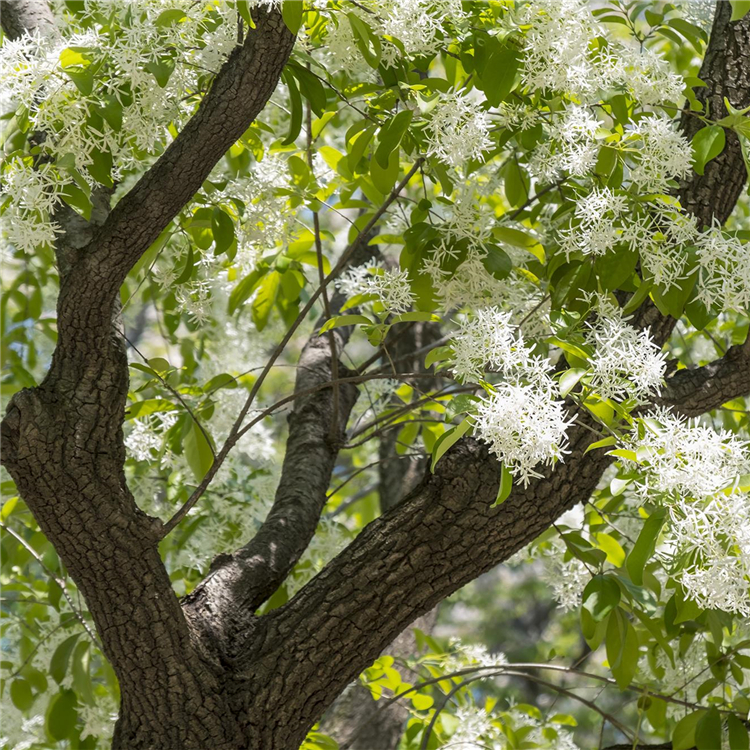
(16, 16)
(698, 390)
(214, 675)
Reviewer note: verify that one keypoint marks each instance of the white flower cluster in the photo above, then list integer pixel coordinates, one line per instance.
(390, 286)
(393, 290)
(544, 734)
(32, 77)
(475, 729)
(566, 578)
(687, 459)
(571, 147)
(462, 655)
(521, 419)
(458, 130)
(146, 436)
(664, 154)
(724, 279)
(663, 244)
(556, 53)
(713, 540)
(525, 426)
(267, 220)
(600, 220)
(516, 115)
(560, 55)
(646, 76)
(626, 363)
(488, 339)
(418, 25)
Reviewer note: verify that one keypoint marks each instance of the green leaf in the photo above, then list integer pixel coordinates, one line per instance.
(708, 143)
(415, 316)
(367, 41)
(111, 110)
(644, 546)
(310, 87)
(612, 548)
(624, 453)
(75, 62)
(75, 57)
(613, 269)
(600, 597)
(197, 451)
(497, 67)
(243, 8)
(516, 183)
(581, 549)
(160, 365)
(344, 320)
(421, 702)
(698, 314)
(291, 12)
(506, 485)
(622, 648)
(21, 695)
(390, 136)
(448, 439)
(438, 354)
(687, 610)
(80, 663)
(683, 736)
(187, 270)
(638, 297)
(603, 443)
(517, 238)
(385, 178)
(169, 17)
(58, 664)
(497, 262)
(740, 8)
(62, 715)
(241, 293)
(223, 380)
(148, 406)
(739, 738)
(100, 167)
(268, 290)
(77, 199)
(222, 228)
(161, 70)
(295, 104)
(569, 380)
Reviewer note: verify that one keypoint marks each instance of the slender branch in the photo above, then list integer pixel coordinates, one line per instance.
(201, 488)
(237, 431)
(59, 581)
(176, 394)
(321, 278)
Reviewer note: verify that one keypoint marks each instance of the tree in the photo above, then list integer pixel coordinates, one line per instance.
(557, 223)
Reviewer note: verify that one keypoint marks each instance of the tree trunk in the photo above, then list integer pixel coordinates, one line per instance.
(207, 672)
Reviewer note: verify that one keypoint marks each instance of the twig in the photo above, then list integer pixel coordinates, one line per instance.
(235, 433)
(333, 428)
(176, 394)
(59, 581)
